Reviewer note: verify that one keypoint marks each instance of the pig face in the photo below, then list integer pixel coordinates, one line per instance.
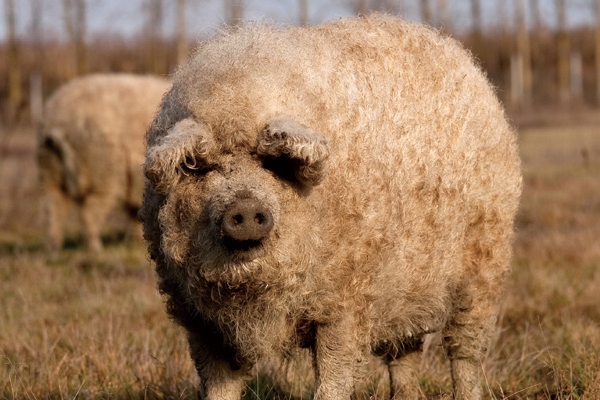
(239, 211)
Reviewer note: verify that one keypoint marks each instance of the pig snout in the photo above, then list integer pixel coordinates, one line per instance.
(244, 223)
(247, 219)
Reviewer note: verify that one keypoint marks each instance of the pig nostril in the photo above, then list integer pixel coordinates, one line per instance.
(259, 219)
(238, 219)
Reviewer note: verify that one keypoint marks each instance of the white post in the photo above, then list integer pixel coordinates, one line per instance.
(516, 79)
(576, 69)
(36, 102)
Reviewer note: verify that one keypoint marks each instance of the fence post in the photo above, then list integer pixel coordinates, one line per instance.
(36, 102)
(576, 74)
(516, 79)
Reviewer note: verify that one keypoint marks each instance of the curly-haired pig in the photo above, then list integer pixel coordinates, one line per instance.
(91, 150)
(348, 187)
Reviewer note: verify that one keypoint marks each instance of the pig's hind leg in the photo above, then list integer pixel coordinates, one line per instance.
(403, 364)
(471, 326)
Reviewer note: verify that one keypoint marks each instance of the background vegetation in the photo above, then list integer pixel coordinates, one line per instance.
(537, 52)
(82, 326)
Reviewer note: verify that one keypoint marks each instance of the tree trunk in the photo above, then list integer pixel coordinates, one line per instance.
(75, 18)
(477, 46)
(154, 24)
(443, 20)
(81, 32)
(361, 7)
(15, 93)
(35, 80)
(524, 52)
(182, 41)
(70, 32)
(598, 51)
(563, 50)
(426, 16)
(536, 16)
(303, 12)
(235, 12)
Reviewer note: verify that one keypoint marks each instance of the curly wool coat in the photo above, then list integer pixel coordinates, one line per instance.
(380, 179)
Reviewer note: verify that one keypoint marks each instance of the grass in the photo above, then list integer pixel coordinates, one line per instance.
(80, 326)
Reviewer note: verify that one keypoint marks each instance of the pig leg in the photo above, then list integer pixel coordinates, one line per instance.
(134, 229)
(219, 379)
(54, 207)
(469, 330)
(466, 346)
(93, 213)
(403, 370)
(336, 354)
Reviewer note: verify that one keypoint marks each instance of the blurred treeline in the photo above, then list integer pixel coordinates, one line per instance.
(534, 61)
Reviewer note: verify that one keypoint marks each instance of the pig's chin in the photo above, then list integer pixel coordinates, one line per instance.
(235, 271)
(232, 263)
(243, 252)
(213, 251)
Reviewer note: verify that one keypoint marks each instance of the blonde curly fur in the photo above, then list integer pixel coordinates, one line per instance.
(392, 177)
(91, 149)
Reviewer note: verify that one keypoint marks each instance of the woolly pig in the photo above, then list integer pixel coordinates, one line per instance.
(349, 188)
(91, 149)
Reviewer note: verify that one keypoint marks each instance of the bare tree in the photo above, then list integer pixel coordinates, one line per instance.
(536, 16)
(476, 17)
(35, 80)
(598, 51)
(234, 11)
(443, 20)
(563, 49)
(15, 94)
(539, 34)
(36, 33)
(388, 6)
(81, 32)
(303, 12)
(477, 46)
(74, 12)
(523, 53)
(361, 7)
(181, 26)
(154, 31)
(425, 8)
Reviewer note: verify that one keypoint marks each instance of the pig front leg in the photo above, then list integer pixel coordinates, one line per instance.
(337, 355)
(220, 377)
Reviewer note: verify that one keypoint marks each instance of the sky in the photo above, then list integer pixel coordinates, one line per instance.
(126, 17)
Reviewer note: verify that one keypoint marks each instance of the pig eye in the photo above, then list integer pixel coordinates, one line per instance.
(191, 166)
(285, 167)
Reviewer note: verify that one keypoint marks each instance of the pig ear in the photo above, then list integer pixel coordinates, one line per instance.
(293, 151)
(187, 146)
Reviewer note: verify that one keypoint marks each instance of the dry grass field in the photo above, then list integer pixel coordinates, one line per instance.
(93, 327)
